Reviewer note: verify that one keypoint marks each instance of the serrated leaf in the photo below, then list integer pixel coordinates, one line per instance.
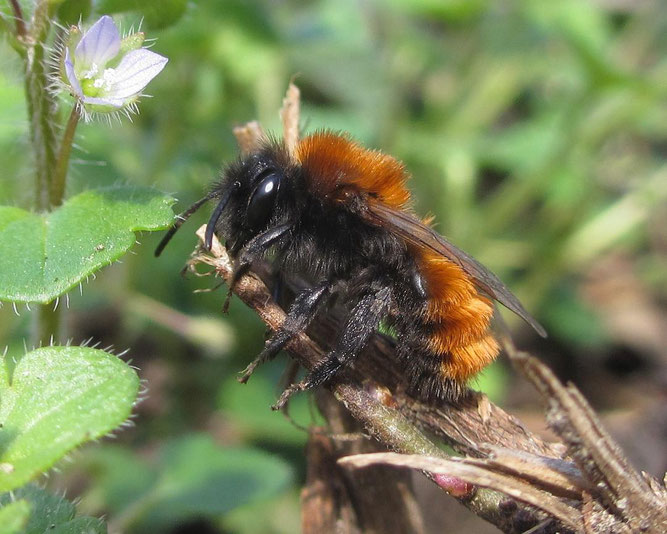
(81, 525)
(14, 517)
(46, 508)
(56, 399)
(42, 256)
(156, 14)
(50, 513)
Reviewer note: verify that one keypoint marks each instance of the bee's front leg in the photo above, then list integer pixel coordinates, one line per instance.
(251, 251)
(301, 313)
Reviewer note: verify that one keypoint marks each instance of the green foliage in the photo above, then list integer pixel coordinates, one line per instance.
(71, 12)
(246, 407)
(200, 478)
(14, 517)
(492, 381)
(13, 108)
(575, 322)
(54, 399)
(89, 525)
(193, 477)
(156, 14)
(445, 9)
(122, 478)
(48, 514)
(535, 132)
(44, 255)
(279, 515)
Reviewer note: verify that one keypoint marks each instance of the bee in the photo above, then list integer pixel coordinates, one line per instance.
(338, 215)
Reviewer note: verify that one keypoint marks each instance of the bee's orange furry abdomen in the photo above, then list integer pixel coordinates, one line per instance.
(334, 163)
(459, 317)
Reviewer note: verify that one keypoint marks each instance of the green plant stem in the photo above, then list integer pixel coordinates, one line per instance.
(48, 318)
(58, 180)
(42, 110)
(47, 324)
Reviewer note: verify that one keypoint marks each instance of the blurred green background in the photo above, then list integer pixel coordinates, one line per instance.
(535, 131)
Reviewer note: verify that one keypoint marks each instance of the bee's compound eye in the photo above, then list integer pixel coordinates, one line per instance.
(262, 199)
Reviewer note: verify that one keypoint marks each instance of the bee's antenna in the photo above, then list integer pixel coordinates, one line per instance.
(210, 227)
(180, 219)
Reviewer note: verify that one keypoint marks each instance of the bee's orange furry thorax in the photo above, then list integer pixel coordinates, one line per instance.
(333, 162)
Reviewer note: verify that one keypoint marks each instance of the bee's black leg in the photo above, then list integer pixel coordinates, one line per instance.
(278, 282)
(277, 288)
(254, 248)
(251, 251)
(360, 325)
(301, 313)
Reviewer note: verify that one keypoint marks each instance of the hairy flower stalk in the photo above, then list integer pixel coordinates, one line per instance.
(107, 73)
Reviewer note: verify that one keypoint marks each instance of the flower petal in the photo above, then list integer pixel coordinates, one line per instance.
(71, 76)
(133, 73)
(98, 45)
(104, 102)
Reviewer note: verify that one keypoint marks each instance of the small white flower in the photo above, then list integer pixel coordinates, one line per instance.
(106, 73)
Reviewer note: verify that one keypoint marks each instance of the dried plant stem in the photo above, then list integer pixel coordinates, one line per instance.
(290, 114)
(18, 19)
(380, 413)
(520, 480)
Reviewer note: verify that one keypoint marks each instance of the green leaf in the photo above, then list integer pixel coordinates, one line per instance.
(14, 517)
(55, 399)
(79, 525)
(47, 509)
(156, 14)
(192, 477)
(445, 9)
(44, 255)
(121, 477)
(200, 478)
(50, 513)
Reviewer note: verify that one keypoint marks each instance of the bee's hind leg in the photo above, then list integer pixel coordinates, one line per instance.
(360, 325)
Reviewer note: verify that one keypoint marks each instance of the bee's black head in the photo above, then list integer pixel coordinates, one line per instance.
(255, 192)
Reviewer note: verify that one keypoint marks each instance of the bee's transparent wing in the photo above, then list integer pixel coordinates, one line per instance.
(412, 230)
